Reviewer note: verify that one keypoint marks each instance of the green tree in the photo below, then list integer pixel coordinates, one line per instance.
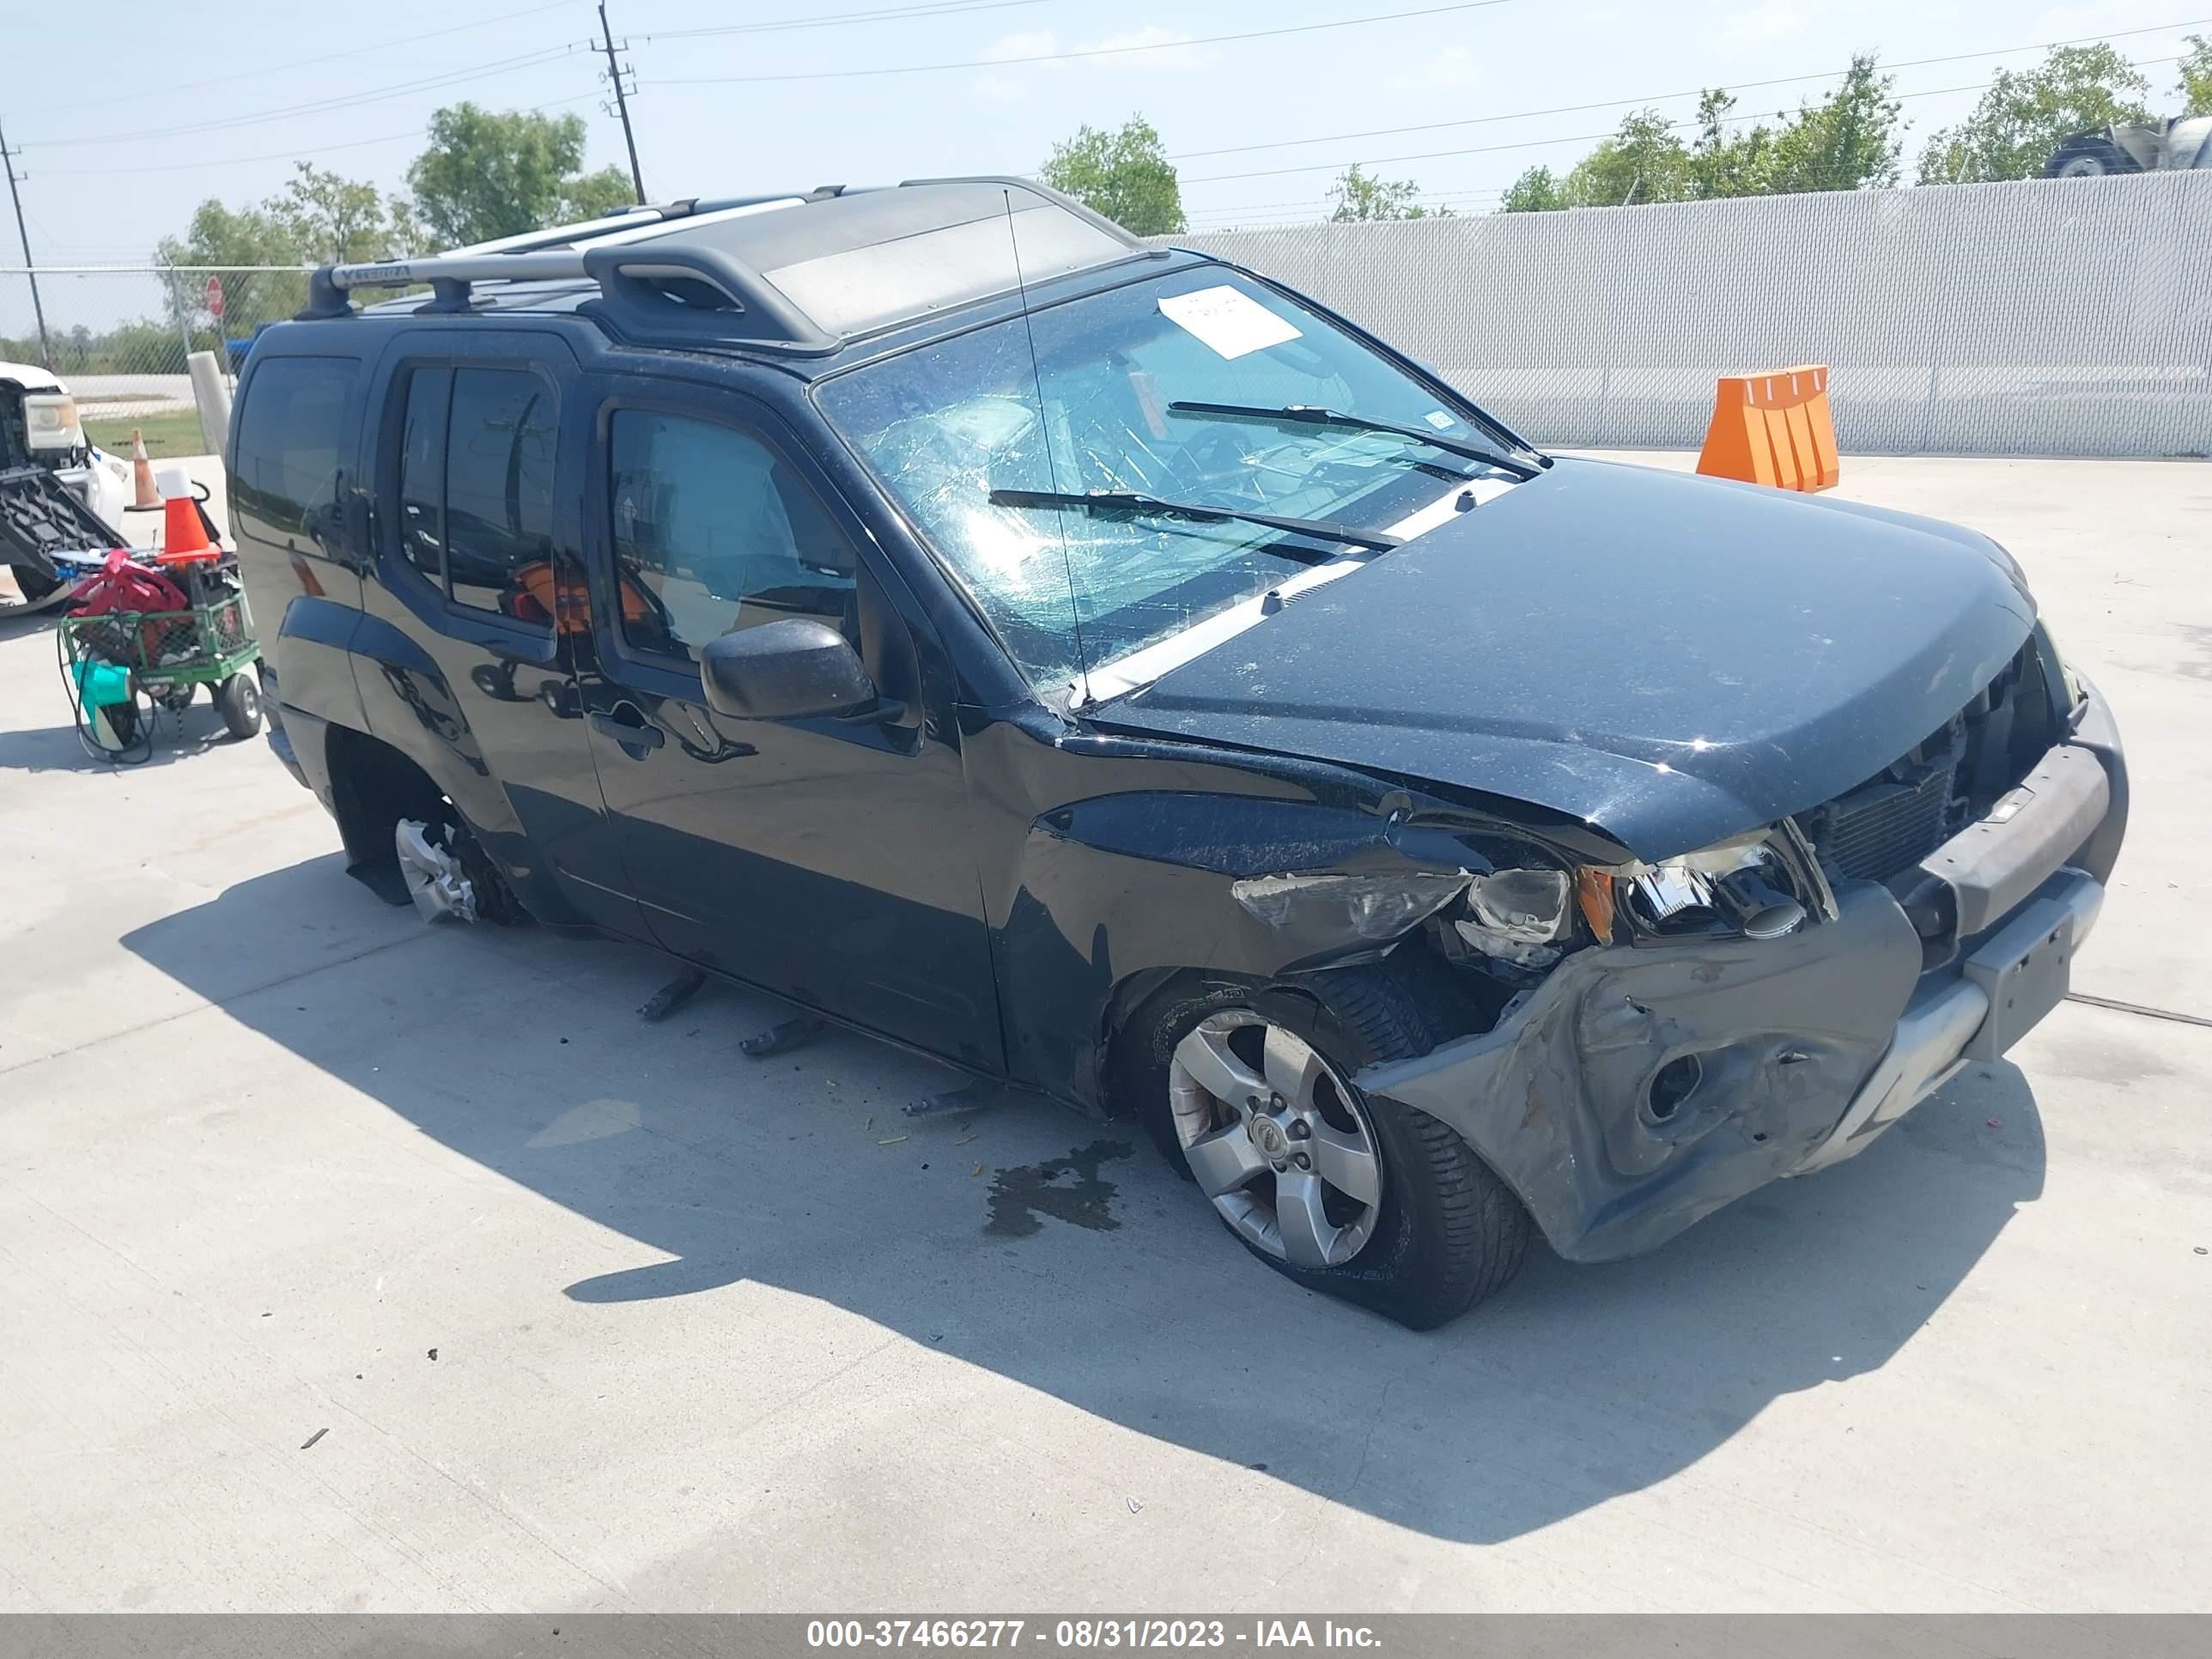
(2195, 87)
(333, 220)
(597, 195)
(1124, 176)
(2026, 114)
(319, 217)
(1535, 190)
(1642, 162)
(1358, 196)
(1852, 139)
(491, 174)
(1724, 164)
(222, 235)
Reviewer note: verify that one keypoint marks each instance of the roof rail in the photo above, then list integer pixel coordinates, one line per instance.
(448, 275)
(688, 290)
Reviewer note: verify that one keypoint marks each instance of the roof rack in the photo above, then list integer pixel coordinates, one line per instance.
(705, 281)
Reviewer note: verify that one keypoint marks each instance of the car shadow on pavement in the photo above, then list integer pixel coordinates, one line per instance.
(55, 748)
(1062, 1253)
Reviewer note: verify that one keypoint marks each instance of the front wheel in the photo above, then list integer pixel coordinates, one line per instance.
(1248, 1090)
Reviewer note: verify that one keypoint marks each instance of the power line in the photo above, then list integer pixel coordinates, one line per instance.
(276, 155)
(1664, 97)
(268, 69)
(1064, 57)
(1572, 138)
(838, 19)
(321, 106)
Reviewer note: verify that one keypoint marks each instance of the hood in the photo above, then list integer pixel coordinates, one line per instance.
(30, 377)
(1670, 658)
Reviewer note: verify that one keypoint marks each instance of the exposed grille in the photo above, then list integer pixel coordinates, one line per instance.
(1882, 828)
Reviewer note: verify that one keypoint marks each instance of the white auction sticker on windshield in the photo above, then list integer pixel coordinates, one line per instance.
(1231, 322)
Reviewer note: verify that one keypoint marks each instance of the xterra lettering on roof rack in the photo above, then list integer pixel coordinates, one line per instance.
(799, 273)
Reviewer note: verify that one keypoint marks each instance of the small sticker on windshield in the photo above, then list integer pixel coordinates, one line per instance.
(1438, 419)
(1232, 323)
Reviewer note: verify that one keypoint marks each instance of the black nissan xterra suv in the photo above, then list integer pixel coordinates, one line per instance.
(1107, 672)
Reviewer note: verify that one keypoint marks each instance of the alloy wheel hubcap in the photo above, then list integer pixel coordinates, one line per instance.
(1276, 1138)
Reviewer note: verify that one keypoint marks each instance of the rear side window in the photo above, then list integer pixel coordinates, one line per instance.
(294, 438)
(475, 486)
(422, 472)
(499, 484)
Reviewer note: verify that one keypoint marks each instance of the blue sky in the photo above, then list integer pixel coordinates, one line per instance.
(103, 111)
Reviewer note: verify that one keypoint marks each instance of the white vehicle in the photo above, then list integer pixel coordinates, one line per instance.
(39, 426)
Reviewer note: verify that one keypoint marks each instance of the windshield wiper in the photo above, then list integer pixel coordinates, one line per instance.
(1122, 501)
(1314, 415)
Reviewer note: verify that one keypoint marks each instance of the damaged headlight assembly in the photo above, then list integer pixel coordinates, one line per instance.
(1514, 915)
(1748, 886)
(1369, 908)
(1739, 886)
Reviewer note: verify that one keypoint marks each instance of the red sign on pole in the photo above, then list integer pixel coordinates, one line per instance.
(214, 298)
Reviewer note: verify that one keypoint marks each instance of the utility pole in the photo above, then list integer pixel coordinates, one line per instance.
(38, 309)
(614, 73)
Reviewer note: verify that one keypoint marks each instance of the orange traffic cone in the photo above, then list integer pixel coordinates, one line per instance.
(142, 475)
(183, 531)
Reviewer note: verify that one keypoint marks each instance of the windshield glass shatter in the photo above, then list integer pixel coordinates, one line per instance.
(945, 425)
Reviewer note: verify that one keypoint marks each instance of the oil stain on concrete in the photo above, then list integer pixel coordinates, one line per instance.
(1068, 1189)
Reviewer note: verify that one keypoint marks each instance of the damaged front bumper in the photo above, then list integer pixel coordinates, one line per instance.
(1641, 1087)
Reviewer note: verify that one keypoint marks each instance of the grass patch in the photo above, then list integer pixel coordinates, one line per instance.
(167, 435)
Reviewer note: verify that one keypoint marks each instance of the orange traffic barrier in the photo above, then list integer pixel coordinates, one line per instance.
(142, 475)
(1773, 428)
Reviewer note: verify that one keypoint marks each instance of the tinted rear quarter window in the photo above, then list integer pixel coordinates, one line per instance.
(500, 432)
(422, 472)
(294, 438)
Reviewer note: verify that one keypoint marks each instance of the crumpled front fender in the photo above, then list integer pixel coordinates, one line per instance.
(1560, 1099)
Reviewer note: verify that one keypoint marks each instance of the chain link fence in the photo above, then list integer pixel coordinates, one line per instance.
(119, 335)
(2050, 317)
(2054, 317)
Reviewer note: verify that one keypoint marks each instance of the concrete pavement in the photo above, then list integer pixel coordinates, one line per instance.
(598, 1315)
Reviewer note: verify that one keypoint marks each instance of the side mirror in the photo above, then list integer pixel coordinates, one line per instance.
(787, 670)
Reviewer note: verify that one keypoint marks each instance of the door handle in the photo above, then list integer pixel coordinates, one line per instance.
(636, 733)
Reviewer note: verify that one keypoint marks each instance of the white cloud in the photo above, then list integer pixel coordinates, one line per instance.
(998, 88)
(1453, 67)
(1171, 55)
(1029, 43)
(1020, 52)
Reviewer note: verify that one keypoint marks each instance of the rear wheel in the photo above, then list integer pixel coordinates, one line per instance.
(1248, 1090)
(2088, 157)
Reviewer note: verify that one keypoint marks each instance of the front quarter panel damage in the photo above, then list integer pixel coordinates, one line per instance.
(1098, 898)
(1560, 1098)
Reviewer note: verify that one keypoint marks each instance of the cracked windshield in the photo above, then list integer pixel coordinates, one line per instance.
(946, 426)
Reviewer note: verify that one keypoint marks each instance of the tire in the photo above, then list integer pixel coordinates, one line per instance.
(2088, 157)
(239, 701)
(35, 586)
(495, 900)
(1443, 1232)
